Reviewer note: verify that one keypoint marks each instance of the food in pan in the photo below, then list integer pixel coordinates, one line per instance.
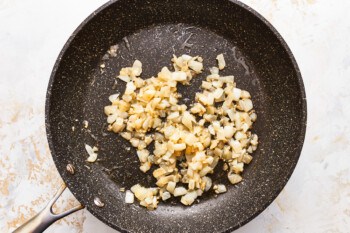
(189, 141)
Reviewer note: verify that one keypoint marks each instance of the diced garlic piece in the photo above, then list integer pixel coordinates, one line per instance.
(148, 94)
(245, 127)
(218, 83)
(229, 131)
(110, 110)
(218, 152)
(191, 184)
(227, 79)
(246, 104)
(124, 78)
(129, 197)
(216, 125)
(159, 172)
(118, 125)
(206, 85)
(239, 135)
(202, 98)
(113, 98)
(214, 70)
(212, 78)
(236, 94)
(208, 182)
(139, 82)
(126, 135)
(213, 144)
(236, 146)
(211, 129)
(130, 88)
(189, 198)
(166, 196)
(92, 155)
(201, 122)
(164, 180)
(231, 114)
(176, 136)
(171, 187)
(205, 171)
(145, 167)
(179, 191)
(143, 155)
(173, 115)
(137, 68)
(179, 147)
(85, 124)
(191, 139)
(254, 140)
(196, 66)
(245, 95)
(210, 99)
(247, 158)
(195, 166)
(221, 61)
(253, 117)
(187, 119)
(218, 93)
(179, 76)
(237, 167)
(198, 108)
(220, 188)
(234, 178)
(135, 142)
(169, 131)
(142, 145)
(200, 156)
(135, 188)
(112, 118)
(186, 57)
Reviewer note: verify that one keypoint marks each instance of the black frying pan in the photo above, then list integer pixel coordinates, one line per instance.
(155, 29)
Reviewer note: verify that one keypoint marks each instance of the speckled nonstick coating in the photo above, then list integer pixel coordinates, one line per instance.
(155, 30)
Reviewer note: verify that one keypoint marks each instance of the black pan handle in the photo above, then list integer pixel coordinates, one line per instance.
(46, 217)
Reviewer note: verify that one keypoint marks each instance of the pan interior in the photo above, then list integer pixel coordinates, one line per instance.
(79, 89)
(154, 47)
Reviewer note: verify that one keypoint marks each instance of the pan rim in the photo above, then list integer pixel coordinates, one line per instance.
(301, 87)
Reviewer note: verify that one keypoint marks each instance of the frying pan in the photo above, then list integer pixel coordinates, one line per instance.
(151, 31)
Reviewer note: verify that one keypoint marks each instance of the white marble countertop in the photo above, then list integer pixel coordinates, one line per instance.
(317, 197)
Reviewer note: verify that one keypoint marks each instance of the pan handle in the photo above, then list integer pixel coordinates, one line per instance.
(46, 217)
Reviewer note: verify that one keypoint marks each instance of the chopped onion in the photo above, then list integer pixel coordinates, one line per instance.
(113, 98)
(220, 188)
(196, 66)
(166, 196)
(92, 155)
(188, 143)
(179, 76)
(137, 68)
(221, 61)
(187, 120)
(179, 191)
(214, 70)
(234, 178)
(189, 198)
(229, 131)
(124, 78)
(171, 187)
(129, 197)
